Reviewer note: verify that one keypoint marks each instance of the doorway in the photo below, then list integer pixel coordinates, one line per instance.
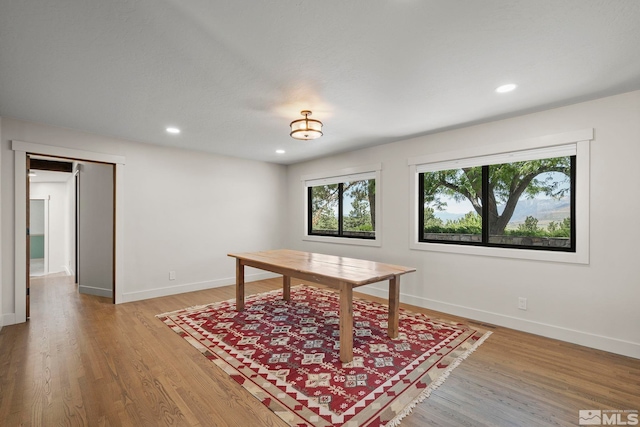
(77, 237)
(51, 189)
(20, 150)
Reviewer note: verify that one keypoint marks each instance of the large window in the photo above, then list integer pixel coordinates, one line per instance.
(527, 199)
(343, 207)
(525, 204)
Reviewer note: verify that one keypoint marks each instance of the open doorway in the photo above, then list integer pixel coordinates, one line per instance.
(77, 237)
(22, 150)
(51, 216)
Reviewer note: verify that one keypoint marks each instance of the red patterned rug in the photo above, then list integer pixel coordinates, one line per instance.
(287, 355)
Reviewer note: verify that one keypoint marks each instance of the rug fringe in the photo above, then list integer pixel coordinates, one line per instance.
(395, 422)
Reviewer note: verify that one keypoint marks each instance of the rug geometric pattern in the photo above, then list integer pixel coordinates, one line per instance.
(287, 355)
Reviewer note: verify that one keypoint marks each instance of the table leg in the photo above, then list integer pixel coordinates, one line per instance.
(239, 285)
(286, 288)
(394, 305)
(346, 322)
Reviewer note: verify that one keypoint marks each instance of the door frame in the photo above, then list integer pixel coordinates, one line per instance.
(21, 149)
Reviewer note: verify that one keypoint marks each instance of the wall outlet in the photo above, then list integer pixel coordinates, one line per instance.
(522, 303)
(172, 275)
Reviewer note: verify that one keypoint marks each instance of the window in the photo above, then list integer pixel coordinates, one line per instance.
(343, 208)
(523, 204)
(530, 204)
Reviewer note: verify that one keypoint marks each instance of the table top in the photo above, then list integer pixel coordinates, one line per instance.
(351, 270)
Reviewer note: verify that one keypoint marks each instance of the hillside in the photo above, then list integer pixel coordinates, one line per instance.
(545, 210)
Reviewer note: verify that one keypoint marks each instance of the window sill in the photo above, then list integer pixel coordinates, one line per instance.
(377, 242)
(579, 257)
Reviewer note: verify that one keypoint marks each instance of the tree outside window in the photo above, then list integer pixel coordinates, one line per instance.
(346, 209)
(527, 204)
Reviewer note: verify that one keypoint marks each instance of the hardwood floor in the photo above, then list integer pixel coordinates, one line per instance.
(82, 361)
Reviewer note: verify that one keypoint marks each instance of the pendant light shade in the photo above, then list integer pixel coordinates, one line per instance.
(306, 129)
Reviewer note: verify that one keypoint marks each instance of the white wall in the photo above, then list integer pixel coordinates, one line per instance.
(36, 216)
(594, 305)
(56, 193)
(183, 211)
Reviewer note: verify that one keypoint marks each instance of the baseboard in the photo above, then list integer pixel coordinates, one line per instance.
(191, 287)
(62, 269)
(612, 345)
(8, 319)
(100, 292)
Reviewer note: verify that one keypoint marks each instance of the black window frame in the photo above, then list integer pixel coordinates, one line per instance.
(485, 216)
(340, 233)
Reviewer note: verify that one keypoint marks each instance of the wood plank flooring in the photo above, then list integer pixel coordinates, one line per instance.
(82, 361)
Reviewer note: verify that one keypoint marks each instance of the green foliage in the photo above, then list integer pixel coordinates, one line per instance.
(471, 223)
(529, 228)
(325, 202)
(429, 219)
(505, 178)
(359, 216)
(326, 221)
(561, 229)
(455, 183)
(507, 182)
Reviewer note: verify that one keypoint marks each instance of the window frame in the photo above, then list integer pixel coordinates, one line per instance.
(337, 177)
(485, 234)
(580, 139)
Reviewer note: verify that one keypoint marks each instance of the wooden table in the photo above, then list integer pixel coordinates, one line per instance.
(334, 271)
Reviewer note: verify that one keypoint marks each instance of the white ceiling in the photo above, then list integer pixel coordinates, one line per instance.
(233, 74)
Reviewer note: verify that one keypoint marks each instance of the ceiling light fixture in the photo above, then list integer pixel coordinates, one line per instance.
(506, 88)
(306, 129)
(173, 130)
(280, 151)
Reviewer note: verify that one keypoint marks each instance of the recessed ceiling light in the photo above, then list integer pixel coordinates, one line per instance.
(506, 88)
(280, 151)
(173, 130)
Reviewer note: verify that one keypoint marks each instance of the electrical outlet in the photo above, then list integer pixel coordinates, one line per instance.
(522, 303)
(172, 275)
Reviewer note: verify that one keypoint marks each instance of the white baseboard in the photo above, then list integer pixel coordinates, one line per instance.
(613, 345)
(8, 319)
(191, 287)
(100, 292)
(62, 269)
